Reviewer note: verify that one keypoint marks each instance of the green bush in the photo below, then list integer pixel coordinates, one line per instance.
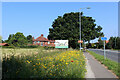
(8, 47)
(32, 46)
(47, 47)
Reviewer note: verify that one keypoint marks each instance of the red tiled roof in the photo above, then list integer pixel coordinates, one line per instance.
(41, 38)
(3, 44)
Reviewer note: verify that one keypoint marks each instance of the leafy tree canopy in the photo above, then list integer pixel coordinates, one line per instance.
(67, 27)
(114, 43)
(29, 38)
(17, 39)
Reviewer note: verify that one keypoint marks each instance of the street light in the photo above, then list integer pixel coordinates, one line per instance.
(80, 23)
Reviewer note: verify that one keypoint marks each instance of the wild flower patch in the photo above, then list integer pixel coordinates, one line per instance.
(64, 64)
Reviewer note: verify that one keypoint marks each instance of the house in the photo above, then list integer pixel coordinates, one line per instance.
(4, 44)
(42, 41)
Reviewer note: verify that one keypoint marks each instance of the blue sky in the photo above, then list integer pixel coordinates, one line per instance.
(35, 18)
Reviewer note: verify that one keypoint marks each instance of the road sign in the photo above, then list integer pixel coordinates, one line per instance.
(61, 43)
(104, 50)
(103, 38)
(80, 41)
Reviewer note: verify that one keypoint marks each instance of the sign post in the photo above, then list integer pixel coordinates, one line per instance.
(104, 38)
(104, 50)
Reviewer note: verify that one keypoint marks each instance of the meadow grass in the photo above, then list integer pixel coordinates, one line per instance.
(40, 63)
(111, 65)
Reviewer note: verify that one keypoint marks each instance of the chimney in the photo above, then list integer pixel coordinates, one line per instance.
(41, 34)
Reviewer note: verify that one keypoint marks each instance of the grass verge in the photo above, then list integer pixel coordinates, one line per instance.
(111, 65)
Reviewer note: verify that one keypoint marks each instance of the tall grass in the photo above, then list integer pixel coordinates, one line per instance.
(45, 64)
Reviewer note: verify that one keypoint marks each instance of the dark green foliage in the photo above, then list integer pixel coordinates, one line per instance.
(114, 43)
(31, 46)
(88, 45)
(47, 48)
(29, 38)
(3, 41)
(101, 43)
(8, 47)
(14, 68)
(17, 40)
(67, 28)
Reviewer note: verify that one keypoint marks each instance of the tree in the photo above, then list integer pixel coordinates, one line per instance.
(17, 39)
(10, 36)
(118, 43)
(113, 43)
(101, 43)
(29, 38)
(67, 27)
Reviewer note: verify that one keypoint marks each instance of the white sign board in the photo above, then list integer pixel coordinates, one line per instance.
(61, 43)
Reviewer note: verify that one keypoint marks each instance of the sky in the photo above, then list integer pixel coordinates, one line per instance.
(60, 0)
(35, 18)
(119, 19)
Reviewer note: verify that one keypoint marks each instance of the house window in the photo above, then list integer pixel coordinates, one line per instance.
(38, 41)
(41, 43)
(35, 42)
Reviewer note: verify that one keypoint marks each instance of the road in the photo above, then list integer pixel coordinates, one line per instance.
(111, 54)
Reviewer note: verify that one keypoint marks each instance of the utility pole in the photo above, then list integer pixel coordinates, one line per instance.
(80, 28)
(80, 24)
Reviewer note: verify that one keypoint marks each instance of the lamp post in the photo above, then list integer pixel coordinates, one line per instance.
(80, 24)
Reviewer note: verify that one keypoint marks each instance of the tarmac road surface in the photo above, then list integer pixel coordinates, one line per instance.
(111, 54)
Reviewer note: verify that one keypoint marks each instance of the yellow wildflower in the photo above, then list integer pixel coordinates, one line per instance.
(66, 63)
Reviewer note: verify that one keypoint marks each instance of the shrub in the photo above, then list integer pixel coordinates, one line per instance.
(47, 47)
